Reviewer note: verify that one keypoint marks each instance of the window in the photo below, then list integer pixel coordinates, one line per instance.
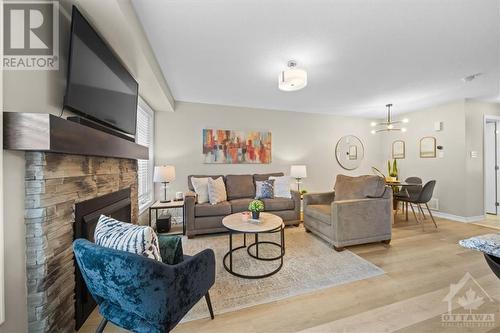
(145, 137)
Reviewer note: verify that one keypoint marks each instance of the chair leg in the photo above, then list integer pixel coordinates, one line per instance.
(406, 211)
(101, 326)
(209, 304)
(432, 217)
(415, 215)
(422, 211)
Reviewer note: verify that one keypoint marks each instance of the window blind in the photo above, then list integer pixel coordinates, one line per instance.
(144, 136)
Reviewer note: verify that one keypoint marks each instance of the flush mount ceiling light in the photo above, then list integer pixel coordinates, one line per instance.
(389, 125)
(292, 78)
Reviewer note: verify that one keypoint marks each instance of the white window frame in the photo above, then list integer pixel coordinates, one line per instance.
(144, 204)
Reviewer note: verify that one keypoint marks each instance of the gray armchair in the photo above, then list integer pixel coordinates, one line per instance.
(351, 221)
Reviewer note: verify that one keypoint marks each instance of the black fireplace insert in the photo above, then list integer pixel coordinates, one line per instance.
(116, 205)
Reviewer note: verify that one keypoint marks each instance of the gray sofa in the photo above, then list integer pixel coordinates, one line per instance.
(206, 218)
(359, 211)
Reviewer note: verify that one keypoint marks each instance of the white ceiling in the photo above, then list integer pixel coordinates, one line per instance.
(359, 54)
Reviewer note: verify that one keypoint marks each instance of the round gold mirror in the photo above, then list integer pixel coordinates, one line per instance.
(349, 152)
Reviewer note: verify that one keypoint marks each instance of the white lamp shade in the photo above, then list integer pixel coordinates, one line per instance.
(292, 79)
(164, 173)
(298, 171)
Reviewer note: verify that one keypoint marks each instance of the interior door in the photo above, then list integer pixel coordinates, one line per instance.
(491, 167)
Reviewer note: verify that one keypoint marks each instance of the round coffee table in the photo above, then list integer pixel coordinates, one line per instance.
(269, 223)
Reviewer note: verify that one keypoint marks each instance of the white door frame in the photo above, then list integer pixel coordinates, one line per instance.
(486, 118)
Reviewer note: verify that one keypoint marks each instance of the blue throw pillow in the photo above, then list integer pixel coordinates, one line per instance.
(264, 189)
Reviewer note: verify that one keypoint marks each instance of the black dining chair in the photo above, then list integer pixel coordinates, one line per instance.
(422, 198)
(409, 191)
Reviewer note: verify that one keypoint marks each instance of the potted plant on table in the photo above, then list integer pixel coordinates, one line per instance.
(256, 207)
(393, 174)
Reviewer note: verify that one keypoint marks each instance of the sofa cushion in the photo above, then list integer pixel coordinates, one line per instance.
(348, 188)
(319, 212)
(207, 209)
(278, 204)
(240, 205)
(240, 186)
(201, 188)
(190, 184)
(265, 176)
(264, 189)
(216, 190)
(281, 186)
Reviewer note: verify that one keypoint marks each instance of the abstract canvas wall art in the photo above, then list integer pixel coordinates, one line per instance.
(236, 147)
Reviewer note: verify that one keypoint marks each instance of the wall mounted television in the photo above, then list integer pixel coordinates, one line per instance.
(98, 85)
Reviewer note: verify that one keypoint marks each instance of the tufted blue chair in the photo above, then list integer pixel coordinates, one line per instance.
(142, 294)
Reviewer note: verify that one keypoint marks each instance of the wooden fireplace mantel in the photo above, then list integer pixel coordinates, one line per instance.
(49, 133)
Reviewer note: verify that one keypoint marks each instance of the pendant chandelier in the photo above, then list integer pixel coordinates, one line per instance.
(389, 125)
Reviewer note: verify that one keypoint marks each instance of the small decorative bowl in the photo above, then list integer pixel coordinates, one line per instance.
(245, 216)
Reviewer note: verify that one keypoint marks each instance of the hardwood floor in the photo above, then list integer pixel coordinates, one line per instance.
(419, 265)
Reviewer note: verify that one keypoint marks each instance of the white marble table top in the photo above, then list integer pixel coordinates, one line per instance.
(489, 244)
(267, 222)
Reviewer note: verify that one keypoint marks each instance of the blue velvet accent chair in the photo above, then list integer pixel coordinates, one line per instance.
(142, 294)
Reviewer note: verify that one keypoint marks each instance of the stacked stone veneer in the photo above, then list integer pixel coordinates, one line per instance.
(54, 183)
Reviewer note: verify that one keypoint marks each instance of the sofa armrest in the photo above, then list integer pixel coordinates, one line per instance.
(189, 203)
(361, 218)
(318, 198)
(296, 202)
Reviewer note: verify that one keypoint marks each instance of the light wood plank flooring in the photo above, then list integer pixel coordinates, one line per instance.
(419, 265)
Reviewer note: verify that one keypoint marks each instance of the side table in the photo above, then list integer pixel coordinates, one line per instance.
(167, 206)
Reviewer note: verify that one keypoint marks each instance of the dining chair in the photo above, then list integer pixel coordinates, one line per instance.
(411, 191)
(423, 198)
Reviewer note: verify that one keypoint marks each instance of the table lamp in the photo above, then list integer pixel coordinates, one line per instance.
(164, 174)
(298, 172)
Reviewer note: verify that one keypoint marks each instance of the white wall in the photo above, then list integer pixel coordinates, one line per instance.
(298, 138)
(475, 112)
(459, 176)
(448, 171)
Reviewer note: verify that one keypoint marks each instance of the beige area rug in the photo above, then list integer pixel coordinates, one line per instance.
(309, 265)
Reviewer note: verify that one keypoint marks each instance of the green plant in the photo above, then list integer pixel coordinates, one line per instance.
(303, 192)
(394, 172)
(256, 206)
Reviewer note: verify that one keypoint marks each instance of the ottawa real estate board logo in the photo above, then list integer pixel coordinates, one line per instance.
(468, 302)
(30, 35)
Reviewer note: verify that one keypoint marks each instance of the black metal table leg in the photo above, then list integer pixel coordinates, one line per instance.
(281, 247)
(230, 250)
(257, 245)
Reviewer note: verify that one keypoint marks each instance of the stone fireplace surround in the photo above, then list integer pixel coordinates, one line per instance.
(54, 183)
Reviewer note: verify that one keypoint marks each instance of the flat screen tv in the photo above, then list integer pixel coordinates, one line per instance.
(98, 87)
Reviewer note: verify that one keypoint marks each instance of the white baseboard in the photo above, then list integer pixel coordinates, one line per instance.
(464, 219)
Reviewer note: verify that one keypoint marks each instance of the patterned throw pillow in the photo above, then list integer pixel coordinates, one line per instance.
(281, 187)
(216, 190)
(141, 240)
(264, 189)
(200, 186)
